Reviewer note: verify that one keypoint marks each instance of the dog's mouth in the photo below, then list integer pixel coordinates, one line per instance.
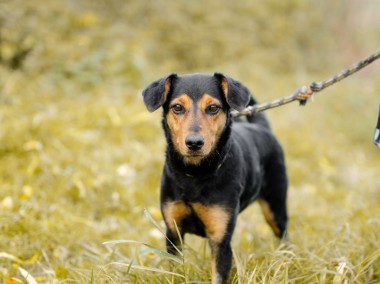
(194, 157)
(195, 153)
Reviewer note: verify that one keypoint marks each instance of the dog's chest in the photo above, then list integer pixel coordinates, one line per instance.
(197, 218)
(205, 190)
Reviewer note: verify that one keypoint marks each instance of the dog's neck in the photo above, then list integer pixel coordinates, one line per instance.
(209, 165)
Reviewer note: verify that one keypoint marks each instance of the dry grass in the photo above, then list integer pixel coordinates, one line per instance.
(80, 157)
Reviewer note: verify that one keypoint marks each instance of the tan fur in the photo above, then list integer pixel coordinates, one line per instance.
(224, 85)
(269, 216)
(167, 88)
(174, 213)
(210, 126)
(216, 279)
(215, 219)
(179, 124)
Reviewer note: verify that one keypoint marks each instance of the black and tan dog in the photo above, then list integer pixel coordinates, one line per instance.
(215, 165)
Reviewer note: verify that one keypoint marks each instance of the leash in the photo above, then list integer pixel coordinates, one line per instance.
(305, 93)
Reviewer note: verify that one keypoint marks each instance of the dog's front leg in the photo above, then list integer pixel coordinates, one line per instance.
(174, 212)
(219, 223)
(173, 242)
(221, 260)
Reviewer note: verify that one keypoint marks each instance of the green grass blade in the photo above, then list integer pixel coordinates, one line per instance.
(150, 269)
(163, 254)
(151, 249)
(150, 218)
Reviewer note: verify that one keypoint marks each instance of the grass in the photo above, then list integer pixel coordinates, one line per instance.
(81, 158)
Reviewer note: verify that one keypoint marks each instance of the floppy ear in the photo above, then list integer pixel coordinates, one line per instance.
(237, 95)
(157, 92)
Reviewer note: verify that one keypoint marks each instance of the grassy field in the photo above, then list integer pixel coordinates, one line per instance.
(81, 157)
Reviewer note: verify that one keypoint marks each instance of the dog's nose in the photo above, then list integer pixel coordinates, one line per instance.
(194, 142)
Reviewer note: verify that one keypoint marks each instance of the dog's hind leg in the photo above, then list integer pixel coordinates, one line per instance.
(277, 221)
(273, 197)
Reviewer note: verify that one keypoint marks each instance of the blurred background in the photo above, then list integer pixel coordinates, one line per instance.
(80, 157)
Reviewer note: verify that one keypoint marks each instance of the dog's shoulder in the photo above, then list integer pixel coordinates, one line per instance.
(255, 139)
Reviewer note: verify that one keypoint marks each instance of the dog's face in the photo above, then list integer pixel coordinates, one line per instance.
(196, 117)
(195, 109)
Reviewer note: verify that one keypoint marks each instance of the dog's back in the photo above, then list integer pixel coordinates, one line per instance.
(263, 158)
(258, 118)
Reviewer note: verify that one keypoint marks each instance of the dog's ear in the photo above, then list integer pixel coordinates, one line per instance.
(156, 93)
(237, 95)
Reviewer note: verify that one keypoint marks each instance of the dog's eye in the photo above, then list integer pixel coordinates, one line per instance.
(212, 109)
(178, 109)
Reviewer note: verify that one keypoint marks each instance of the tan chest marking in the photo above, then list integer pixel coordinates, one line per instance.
(215, 219)
(174, 212)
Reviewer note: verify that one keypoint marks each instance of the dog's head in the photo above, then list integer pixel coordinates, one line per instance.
(196, 110)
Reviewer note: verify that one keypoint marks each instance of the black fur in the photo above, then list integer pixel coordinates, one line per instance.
(155, 94)
(247, 164)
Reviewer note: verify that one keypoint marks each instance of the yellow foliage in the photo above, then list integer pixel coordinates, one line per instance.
(80, 157)
(13, 280)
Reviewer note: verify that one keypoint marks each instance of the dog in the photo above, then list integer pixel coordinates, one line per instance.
(216, 165)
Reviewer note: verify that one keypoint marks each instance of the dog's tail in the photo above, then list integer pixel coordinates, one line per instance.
(259, 118)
